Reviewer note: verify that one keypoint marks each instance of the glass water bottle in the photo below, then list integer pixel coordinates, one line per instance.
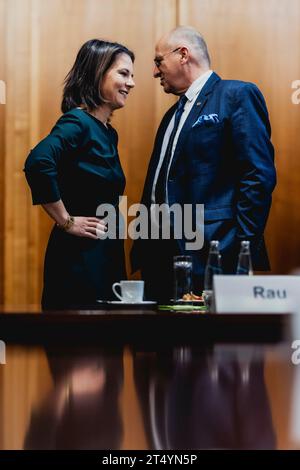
(244, 266)
(213, 267)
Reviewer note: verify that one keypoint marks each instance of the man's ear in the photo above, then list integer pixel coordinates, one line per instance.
(184, 52)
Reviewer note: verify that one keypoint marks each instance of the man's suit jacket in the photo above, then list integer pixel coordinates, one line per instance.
(225, 163)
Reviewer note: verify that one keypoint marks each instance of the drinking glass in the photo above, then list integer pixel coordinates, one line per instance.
(183, 278)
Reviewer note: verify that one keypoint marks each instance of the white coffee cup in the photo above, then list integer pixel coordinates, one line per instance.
(131, 291)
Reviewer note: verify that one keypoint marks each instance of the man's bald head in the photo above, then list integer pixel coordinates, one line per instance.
(192, 39)
(181, 57)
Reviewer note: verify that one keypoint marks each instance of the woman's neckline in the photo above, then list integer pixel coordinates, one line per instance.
(96, 119)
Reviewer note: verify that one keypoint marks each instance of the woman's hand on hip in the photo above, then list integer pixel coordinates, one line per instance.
(89, 227)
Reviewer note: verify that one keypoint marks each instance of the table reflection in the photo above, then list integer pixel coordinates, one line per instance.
(82, 410)
(213, 399)
(222, 397)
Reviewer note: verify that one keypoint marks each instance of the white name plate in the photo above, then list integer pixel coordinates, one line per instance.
(256, 294)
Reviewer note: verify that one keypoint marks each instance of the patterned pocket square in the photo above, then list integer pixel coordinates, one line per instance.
(207, 119)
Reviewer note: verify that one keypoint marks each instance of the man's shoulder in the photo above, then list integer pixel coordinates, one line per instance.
(235, 85)
(238, 90)
(238, 87)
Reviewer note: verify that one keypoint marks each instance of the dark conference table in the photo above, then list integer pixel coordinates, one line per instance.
(145, 379)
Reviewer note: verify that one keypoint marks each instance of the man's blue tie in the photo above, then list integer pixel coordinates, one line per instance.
(161, 183)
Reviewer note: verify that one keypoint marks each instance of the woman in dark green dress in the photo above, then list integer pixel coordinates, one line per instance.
(74, 170)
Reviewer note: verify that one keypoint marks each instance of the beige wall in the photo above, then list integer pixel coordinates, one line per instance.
(251, 40)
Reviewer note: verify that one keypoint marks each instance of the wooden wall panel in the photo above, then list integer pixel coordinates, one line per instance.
(258, 41)
(42, 41)
(17, 133)
(2, 77)
(2, 148)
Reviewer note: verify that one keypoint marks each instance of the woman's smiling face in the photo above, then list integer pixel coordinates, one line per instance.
(118, 81)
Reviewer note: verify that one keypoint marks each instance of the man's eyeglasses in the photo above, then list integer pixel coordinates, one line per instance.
(158, 60)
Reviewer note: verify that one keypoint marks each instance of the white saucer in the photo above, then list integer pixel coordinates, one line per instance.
(144, 302)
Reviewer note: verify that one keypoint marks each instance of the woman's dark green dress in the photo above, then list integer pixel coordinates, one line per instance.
(78, 162)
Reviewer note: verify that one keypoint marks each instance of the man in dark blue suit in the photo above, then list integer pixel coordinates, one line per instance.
(213, 148)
